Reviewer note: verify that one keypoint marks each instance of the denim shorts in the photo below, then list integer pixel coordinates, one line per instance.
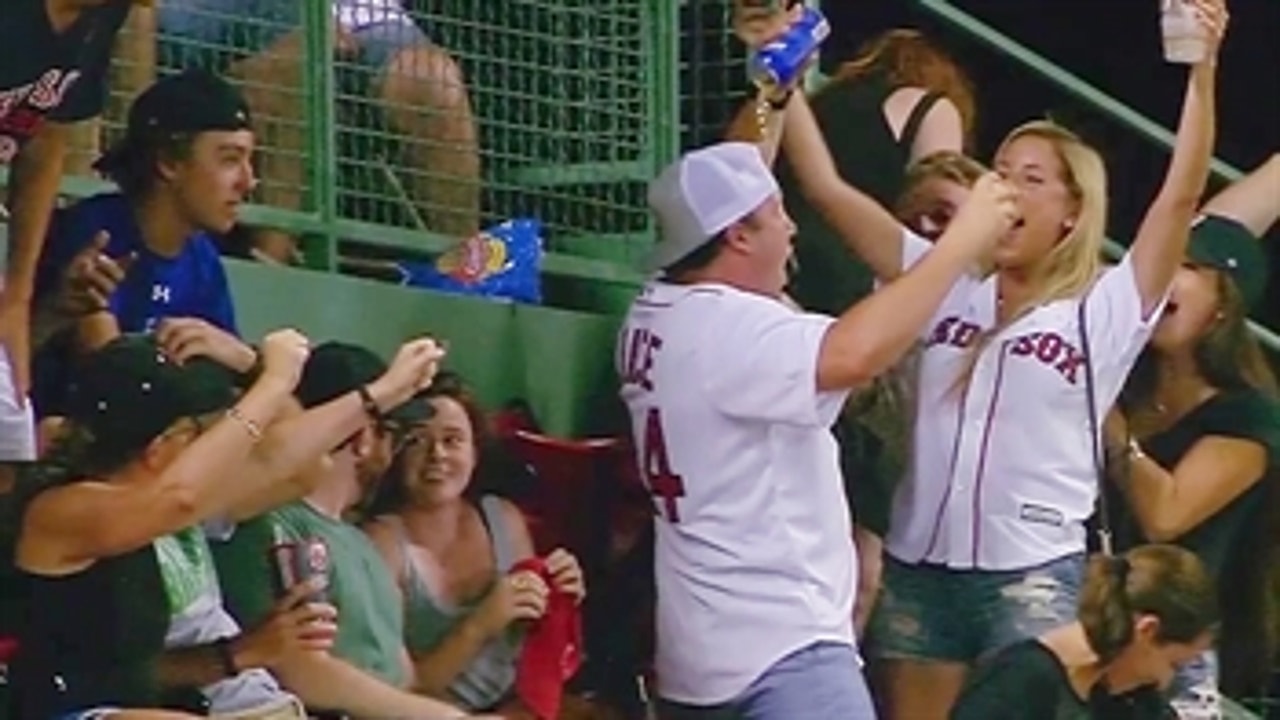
(934, 613)
(213, 33)
(822, 681)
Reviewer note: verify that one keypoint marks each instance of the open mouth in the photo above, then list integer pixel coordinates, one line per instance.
(1170, 308)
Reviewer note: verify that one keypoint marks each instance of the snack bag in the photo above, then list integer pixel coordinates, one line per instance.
(504, 261)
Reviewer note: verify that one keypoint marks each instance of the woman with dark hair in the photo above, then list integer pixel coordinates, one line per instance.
(452, 550)
(1195, 440)
(1141, 616)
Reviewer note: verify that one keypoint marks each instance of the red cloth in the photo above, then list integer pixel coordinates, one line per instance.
(552, 650)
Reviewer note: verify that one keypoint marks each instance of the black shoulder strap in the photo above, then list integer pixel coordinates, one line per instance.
(916, 119)
(1095, 434)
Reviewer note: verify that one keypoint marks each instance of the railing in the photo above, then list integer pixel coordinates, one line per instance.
(1085, 93)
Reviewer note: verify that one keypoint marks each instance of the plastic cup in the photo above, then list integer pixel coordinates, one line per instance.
(1185, 40)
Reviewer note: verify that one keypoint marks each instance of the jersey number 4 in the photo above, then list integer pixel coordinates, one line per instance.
(661, 480)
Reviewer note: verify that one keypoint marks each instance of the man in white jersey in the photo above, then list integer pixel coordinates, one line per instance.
(732, 393)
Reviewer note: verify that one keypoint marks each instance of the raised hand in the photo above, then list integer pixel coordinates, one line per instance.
(92, 278)
(284, 353)
(411, 371)
(988, 214)
(185, 338)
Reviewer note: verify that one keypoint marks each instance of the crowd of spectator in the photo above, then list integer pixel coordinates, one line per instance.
(894, 439)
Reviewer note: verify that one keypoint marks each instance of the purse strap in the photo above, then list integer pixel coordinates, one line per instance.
(1095, 434)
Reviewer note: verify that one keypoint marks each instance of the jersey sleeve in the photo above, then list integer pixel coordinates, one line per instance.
(760, 362)
(1117, 328)
(88, 95)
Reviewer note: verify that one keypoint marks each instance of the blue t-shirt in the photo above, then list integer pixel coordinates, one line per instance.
(191, 284)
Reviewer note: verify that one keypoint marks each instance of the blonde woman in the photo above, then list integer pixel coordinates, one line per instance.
(986, 540)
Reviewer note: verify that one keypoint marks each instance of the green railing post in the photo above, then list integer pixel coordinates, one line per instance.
(321, 125)
(662, 39)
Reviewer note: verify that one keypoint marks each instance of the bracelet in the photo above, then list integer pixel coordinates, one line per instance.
(370, 407)
(780, 103)
(250, 425)
(226, 656)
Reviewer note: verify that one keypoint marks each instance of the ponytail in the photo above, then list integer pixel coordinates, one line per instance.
(1105, 610)
(1164, 581)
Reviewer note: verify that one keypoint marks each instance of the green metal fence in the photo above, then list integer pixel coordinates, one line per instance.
(557, 110)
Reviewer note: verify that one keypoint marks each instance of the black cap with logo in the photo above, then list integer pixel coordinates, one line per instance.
(190, 102)
(129, 392)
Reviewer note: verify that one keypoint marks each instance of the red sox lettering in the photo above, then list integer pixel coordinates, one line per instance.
(1048, 347)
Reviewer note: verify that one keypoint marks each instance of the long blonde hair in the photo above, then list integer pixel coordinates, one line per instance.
(1074, 262)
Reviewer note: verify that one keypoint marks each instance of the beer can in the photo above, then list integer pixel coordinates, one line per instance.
(780, 62)
(297, 561)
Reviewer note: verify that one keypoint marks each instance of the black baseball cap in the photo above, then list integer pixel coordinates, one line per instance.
(335, 368)
(129, 392)
(190, 102)
(1227, 246)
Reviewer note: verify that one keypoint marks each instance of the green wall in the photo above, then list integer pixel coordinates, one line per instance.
(558, 360)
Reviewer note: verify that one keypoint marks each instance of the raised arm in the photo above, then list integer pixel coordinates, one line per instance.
(33, 190)
(760, 121)
(867, 228)
(874, 334)
(294, 443)
(70, 526)
(1253, 200)
(1162, 238)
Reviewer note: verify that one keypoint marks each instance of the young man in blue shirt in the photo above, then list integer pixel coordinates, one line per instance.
(143, 259)
(53, 68)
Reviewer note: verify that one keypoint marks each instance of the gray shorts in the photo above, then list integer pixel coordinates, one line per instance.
(213, 33)
(823, 681)
(934, 613)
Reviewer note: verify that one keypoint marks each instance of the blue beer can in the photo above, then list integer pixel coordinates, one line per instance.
(780, 62)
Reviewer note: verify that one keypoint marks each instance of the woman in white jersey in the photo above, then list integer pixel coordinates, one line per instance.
(986, 541)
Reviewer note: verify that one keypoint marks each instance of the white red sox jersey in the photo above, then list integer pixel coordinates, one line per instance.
(754, 557)
(1002, 473)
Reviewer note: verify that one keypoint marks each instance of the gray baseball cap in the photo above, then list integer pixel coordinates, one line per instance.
(704, 192)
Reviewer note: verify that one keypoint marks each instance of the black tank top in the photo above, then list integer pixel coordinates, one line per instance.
(869, 157)
(91, 638)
